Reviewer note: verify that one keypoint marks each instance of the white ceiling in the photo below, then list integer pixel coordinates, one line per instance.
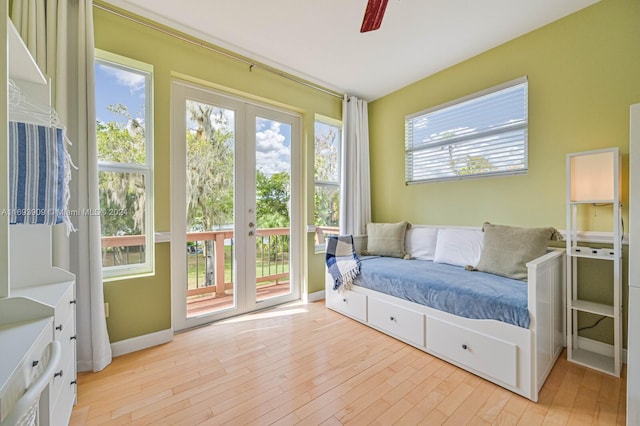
(319, 40)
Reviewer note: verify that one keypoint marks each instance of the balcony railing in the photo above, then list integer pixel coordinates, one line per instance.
(322, 232)
(122, 250)
(272, 257)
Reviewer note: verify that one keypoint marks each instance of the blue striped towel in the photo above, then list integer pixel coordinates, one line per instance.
(342, 262)
(39, 175)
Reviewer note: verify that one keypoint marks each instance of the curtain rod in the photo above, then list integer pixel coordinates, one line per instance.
(239, 58)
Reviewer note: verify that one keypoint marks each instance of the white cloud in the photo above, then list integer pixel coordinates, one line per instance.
(273, 154)
(135, 82)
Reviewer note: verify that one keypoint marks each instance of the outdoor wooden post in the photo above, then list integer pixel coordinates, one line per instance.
(219, 247)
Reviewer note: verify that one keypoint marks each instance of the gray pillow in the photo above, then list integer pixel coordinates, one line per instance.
(386, 239)
(507, 249)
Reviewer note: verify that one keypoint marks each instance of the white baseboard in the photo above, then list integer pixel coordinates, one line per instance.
(599, 347)
(141, 342)
(316, 296)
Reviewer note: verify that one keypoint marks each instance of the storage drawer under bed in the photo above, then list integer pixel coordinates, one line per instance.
(487, 355)
(349, 303)
(397, 321)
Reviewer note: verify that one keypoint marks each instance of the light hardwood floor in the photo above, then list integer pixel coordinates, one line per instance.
(304, 364)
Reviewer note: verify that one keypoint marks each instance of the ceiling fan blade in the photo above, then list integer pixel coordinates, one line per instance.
(373, 15)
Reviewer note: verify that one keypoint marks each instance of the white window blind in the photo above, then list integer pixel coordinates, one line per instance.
(483, 134)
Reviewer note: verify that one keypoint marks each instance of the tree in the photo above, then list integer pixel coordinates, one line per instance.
(469, 164)
(121, 141)
(273, 196)
(209, 175)
(475, 164)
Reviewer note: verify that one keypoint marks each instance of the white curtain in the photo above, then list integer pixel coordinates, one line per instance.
(355, 187)
(59, 33)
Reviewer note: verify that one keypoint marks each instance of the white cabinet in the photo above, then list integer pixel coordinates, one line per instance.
(57, 401)
(593, 187)
(33, 277)
(25, 260)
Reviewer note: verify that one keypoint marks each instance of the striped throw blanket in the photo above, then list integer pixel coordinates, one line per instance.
(342, 262)
(39, 175)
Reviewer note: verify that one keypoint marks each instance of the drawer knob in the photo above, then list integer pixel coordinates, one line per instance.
(58, 374)
(392, 318)
(72, 338)
(74, 382)
(59, 328)
(73, 302)
(35, 363)
(344, 300)
(464, 346)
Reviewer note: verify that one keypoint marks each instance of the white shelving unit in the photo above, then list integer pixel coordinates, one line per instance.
(593, 179)
(31, 289)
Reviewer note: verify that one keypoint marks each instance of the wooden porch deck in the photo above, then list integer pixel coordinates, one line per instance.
(210, 303)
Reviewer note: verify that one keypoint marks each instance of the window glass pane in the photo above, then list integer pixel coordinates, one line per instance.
(485, 135)
(120, 113)
(124, 123)
(327, 199)
(328, 138)
(327, 149)
(122, 218)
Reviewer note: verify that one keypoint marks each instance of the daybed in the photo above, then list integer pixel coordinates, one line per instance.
(512, 349)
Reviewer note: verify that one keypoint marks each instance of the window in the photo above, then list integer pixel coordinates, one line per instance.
(328, 135)
(484, 134)
(124, 135)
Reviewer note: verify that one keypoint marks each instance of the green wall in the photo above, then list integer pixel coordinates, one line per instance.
(143, 305)
(583, 73)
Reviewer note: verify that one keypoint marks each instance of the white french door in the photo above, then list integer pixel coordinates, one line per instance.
(236, 209)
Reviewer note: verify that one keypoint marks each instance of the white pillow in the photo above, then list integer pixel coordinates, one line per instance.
(459, 247)
(420, 243)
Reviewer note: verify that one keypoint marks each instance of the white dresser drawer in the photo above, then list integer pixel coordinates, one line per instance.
(62, 379)
(398, 321)
(349, 303)
(67, 339)
(61, 411)
(493, 357)
(66, 368)
(64, 308)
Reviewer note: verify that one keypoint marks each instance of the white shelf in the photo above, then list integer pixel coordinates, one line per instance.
(592, 256)
(22, 66)
(49, 294)
(593, 178)
(603, 363)
(591, 307)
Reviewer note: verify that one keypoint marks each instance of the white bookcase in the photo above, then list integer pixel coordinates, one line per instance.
(593, 184)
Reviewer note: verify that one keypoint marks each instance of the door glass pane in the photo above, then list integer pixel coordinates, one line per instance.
(273, 206)
(209, 202)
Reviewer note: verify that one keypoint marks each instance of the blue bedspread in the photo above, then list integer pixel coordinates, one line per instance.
(448, 288)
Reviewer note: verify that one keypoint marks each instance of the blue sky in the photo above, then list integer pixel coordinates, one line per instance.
(115, 85)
